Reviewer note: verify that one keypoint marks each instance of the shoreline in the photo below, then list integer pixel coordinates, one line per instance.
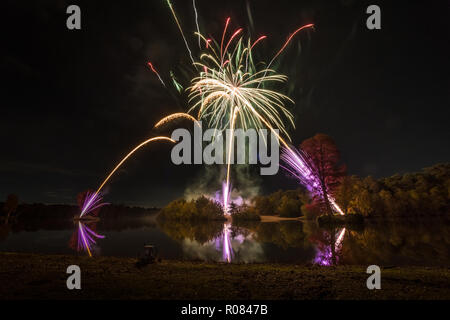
(41, 276)
(278, 218)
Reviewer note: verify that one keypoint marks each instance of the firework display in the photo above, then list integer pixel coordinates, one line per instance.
(214, 158)
(231, 89)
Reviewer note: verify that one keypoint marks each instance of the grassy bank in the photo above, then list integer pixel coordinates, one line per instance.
(44, 276)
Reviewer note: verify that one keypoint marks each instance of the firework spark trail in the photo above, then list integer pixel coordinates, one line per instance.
(311, 25)
(92, 201)
(339, 240)
(258, 40)
(335, 205)
(174, 116)
(85, 238)
(130, 154)
(156, 72)
(231, 39)
(89, 203)
(223, 38)
(227, 188)
(227, 249)
(196, 23)
(181, 30)
(226, 195)
(300, 166)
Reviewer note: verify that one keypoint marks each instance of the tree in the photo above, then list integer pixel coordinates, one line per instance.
(10, 206)
(346, 192)
(325, 157)
(289, 207)
(264, 205)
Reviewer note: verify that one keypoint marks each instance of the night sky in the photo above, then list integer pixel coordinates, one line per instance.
(75, 102)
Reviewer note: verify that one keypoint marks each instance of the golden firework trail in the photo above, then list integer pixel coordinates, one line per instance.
(174, 116)
(87, 206)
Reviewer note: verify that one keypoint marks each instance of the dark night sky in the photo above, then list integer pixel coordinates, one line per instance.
(74, 102)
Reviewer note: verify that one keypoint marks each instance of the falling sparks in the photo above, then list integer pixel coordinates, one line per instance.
(227, 22)
(196, 23)
(156, 72)
(86, 238)
(289, 40)
(258, 40)
(92, 201)
(181, 30)
(300, 166)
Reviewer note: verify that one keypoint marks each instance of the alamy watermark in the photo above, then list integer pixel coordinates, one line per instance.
(373, 22)
(73, 21)
(251, 146)
(74, 280)
(374, 281)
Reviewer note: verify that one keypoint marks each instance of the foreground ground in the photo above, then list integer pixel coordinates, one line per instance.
(44, 277)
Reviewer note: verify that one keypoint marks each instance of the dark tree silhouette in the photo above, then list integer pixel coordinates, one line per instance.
(325, 157)
(10, 206)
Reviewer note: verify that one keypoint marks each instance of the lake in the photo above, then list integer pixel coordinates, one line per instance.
(384, 243)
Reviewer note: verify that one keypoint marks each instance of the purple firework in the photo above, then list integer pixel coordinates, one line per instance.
(300, 165)
(86, 238)
(223, 243)
(92, 201)
(324, 255)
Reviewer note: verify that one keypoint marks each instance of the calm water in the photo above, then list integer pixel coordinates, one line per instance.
(418, 242)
